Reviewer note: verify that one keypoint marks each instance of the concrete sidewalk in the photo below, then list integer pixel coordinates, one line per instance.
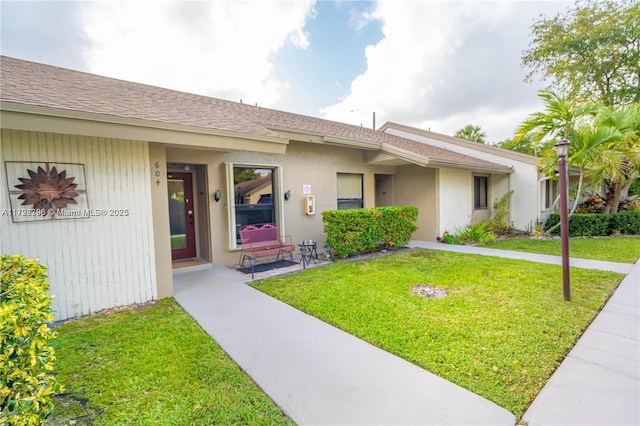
(316, 373)
(598, 383)
(623, 268)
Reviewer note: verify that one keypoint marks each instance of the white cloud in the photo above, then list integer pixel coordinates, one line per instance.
(220, 48)
(442, 65)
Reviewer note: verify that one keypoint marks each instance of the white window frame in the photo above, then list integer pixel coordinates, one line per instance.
(278, 198)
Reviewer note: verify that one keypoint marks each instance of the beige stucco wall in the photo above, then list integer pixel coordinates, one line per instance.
(97, 262)
(525, 206)
(303, 164)
(416, 186)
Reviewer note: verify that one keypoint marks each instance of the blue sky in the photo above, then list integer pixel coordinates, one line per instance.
(324, 71)
(436, 65)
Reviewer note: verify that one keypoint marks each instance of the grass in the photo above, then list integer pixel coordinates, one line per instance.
(153, 365)
(612, 249)
(500, 332)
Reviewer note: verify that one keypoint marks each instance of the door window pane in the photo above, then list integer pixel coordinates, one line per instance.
(177, 223)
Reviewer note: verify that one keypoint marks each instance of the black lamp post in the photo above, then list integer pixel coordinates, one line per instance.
(562, 148)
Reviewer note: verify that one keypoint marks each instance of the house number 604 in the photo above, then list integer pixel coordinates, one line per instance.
(157, 166)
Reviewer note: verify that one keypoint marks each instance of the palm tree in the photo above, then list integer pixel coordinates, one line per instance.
(592, 150)
(605, 142)
(620, 175)
(471, 133)
(558, 120)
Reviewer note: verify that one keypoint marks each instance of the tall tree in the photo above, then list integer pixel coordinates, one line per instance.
(523, 145)
(591, 52)
(471, 133)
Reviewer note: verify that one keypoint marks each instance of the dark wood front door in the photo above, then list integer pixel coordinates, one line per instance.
(181, 215)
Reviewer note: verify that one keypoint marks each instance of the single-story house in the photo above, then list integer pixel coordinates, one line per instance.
(534, 193)
(109, 182)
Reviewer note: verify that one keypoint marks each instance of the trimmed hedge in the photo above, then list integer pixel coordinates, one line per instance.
(593, 224)
(358, 230)
(26, 360)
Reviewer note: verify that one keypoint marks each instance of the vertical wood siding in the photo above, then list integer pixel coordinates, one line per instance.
(94, 263)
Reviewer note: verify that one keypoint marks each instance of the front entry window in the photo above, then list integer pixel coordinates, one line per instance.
(252, 197)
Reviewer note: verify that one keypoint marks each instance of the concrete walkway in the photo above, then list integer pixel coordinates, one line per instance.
(318, 374)
(598, 383)
(623, 268)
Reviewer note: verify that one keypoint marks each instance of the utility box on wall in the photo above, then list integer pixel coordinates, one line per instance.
(310, 205)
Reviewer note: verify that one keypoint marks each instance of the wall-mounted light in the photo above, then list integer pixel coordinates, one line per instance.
(187, 167)
(217, 195)
(287, 195)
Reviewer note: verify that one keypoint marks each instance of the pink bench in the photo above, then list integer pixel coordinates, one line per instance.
(261, 240)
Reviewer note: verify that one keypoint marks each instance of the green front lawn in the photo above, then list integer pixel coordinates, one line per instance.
(500, 332)
(611, 249)
(153, 365)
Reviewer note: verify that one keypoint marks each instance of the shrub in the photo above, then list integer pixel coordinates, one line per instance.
(357, 230)
(627, 222)
(26, 360)
(476, 233)
(499, 224)
(448, 238)
(535, 229)
(592, 204)
(589, 225)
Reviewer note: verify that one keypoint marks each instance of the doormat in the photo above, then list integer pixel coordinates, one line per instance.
(263, 267)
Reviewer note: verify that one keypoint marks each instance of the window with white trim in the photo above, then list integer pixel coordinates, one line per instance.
(350, 191)
(550, 193)
(252, 197)
(480, 192)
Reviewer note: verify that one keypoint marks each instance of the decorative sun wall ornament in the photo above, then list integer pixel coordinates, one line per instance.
(43, 191)
(48, 191)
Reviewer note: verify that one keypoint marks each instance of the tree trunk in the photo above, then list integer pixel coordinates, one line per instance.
(613, 200)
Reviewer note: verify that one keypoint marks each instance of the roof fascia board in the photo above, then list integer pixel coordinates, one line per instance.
(474, 167)
(134, 129)
(352, 143)
(488, 149)
(295, 134)
(405, 155)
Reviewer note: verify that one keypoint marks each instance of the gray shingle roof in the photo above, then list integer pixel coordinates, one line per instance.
(30, 83)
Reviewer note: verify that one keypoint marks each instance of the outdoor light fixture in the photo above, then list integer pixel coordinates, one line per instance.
(287, 195)
(217, 195)
(562, 148)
